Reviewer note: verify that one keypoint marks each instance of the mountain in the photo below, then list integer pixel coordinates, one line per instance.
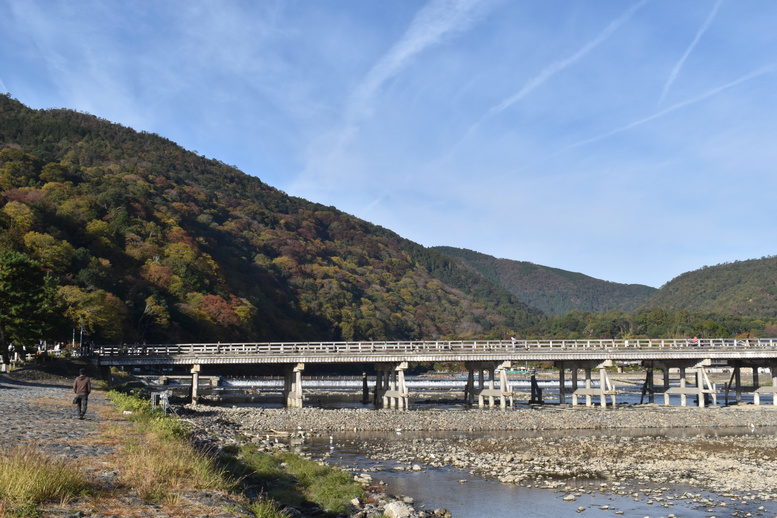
(552, 290)
(151, 242)
(744, 288)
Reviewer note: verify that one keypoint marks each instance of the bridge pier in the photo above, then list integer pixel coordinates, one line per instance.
(606, 388)
(390, 388)
(649, 387)
(105, 373)
(756, 389)
(504, 392)
(195, 372)
(292, 385)
(703, 389)
(561, 384)
(562, 390)
(766, 391)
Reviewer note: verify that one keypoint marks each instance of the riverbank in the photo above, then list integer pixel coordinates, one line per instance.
(326, 421)
(37, 412)
(646, 453)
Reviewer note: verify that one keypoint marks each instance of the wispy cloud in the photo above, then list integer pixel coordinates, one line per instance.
(558, 66)
(679, 65)
(437, 21)
(710, 93)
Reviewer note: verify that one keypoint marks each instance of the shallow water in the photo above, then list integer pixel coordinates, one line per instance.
(469, 495)
(478, 497)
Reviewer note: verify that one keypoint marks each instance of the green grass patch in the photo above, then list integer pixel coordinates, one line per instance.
(291, 480)
(148, 420)
(29, 477)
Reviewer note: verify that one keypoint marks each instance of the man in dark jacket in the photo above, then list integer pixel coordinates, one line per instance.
(82, 386)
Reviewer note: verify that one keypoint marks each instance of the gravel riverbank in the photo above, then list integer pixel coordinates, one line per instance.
(572, 451)
(37, 411)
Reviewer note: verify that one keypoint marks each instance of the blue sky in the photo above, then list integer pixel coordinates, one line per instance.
(628, 140)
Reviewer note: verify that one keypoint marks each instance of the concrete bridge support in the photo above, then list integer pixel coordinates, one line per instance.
(606, 388)
(766, 391)
(105, 373)
(756, 388)
(195, 372)
(292, 385)
(562, 367)
(390, 388)
(494, 369)
(703, 389)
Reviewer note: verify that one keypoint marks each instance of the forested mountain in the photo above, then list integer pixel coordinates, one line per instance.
(150, 242)
(746, 288)
(552, 290)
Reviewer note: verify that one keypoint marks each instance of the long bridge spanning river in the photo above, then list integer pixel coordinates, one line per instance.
(487, 364)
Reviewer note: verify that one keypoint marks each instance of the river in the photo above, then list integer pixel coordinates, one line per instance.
(469, 495)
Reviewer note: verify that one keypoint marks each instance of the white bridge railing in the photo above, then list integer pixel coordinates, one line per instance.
(431, 347)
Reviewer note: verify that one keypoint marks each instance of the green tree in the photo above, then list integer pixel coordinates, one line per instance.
(100, 311)
(27, 300)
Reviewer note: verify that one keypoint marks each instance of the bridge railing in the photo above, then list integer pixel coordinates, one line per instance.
(431, 347)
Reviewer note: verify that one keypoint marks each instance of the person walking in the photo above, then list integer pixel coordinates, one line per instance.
(82, 386)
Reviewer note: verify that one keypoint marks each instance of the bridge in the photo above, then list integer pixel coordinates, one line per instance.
(488, 361)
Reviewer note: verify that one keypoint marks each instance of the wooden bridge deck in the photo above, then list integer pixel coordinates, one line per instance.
(763, 349)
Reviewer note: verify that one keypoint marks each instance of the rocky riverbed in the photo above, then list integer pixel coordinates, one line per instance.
(573, 451)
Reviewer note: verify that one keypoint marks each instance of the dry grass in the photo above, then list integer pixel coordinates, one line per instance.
(157, 460)
(49, 401)
(29, 477)
(157, 468)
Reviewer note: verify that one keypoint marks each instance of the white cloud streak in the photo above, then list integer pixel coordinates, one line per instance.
(558, 66)
(752, 75)
(436, 21)
(679, 65)
(431, 25)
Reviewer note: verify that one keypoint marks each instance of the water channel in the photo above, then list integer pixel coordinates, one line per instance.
(470, 495)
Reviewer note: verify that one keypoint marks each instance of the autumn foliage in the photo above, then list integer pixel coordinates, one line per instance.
(150, 242)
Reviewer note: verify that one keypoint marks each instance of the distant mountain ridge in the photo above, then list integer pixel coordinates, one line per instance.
(743, 288)
(552, 290)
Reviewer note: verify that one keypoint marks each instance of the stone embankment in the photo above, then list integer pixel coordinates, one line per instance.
(644, 452)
